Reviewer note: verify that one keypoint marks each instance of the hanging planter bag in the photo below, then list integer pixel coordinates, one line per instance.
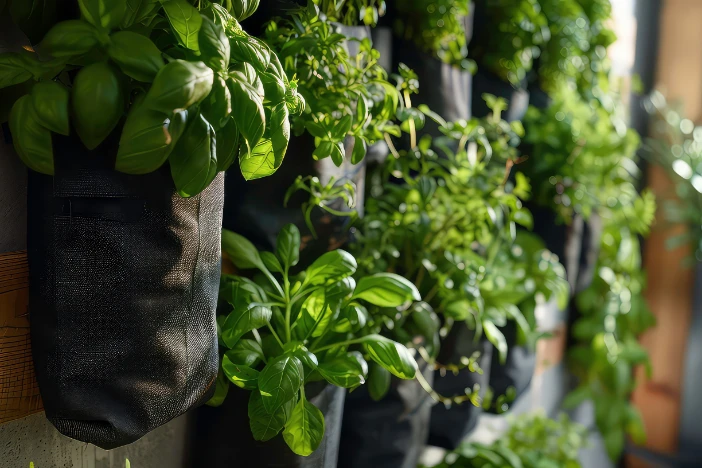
(219, 441)
(449, 426)
(124, 275)
(391, 432)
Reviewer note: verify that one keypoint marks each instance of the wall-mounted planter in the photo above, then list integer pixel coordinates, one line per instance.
(222, 437)
(124, 275)
(391, 432)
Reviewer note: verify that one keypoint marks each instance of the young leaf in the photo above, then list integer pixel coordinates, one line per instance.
(214, 45)
(287, 246)
(15, 68)
(50, 101)
(240, 375)
(359, 150)
(305, 429)
(495, 336)
(69, 39)
(264, 424)
(242, 9)
(179, 85)
(267, 156)
(393, 356)
(136, 55)
(185, 21)
(194, 158)
(331, 267)
(247, 49)
(386, 290)
(348, 370)
(221, 390)
(31, 140)
(271, 262)
(105, 14)
(242, 320)
(248, 112)
(246, 352)
(280, 381)
(378, 381)
(98, 103)
(240, 251)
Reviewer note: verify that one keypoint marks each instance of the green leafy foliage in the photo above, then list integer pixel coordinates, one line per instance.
(286, 328)
(353, 12)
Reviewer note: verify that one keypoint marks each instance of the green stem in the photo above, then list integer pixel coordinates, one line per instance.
(270, 327)
(343, 343)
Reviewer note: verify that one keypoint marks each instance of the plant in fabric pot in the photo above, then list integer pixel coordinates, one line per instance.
(287, 331)
(126, 122)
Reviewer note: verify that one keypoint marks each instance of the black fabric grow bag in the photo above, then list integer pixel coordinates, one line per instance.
(391, 432)
(449, 426)
(222, 436)
(124, 277)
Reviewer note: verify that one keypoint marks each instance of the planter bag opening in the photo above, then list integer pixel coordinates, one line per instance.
(124, 276)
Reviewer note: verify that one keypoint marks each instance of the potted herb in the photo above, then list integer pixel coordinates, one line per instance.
(126, 126)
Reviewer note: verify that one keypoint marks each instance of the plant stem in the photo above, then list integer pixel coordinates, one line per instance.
(270, 327)
(288, 304)
(343, 343)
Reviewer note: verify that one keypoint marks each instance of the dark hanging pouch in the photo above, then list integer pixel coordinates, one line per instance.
(124, 275)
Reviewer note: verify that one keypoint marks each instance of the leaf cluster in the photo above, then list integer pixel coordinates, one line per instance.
(353, 12)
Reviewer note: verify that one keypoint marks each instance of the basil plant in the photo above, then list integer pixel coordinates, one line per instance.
(353, 12)
(286, 330)
(185, 86)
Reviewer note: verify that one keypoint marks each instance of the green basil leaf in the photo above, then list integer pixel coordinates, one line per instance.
(31, 140)
(352, 318)
(179, 85)
(426, 320)
(242, 320)
(240, 375)
(147, 140)
(106, 14)
(50, 101)
(378, 381)
(393, 356)
(342, 127)
(315, 310)
(264, 424)
(287, 246)
(185, 22)
(273, 87)
(138, 10)
(98, 103)
(227, 145)
(359, 150)
(240, 251)
(246, 352)
(194, 158)
(386, 290)
(214, 45)
(338, 152)
(267, 156)
(524, 218)
(280, 381)
(15, 68)
(241, 9)
(248, 113)
(304, 430)
(240, 292)
(221, 390)
(309, 360)
(71, 38)
(135, 55)
(495, 336)
(348, 370)
(217, 107)
(331, 267)
(244, 48)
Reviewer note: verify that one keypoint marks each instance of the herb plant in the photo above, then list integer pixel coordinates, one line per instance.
(347, 96)
(286, 330)
(351, 12)
(174, 72)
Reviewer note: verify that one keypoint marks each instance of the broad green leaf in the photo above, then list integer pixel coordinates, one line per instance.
(359, 150)
(147, 139)
(331, 267)
(135, 55)
(352, 318)
(287, 246)
(106, 14)
(31, 140)
(227, 145)
(214, 45)
(280, 381)
(98, 103)
(267, 156)
(247, 110)
(241, 9)
(137, 11)
(217, 107)
(318, 310)
(393, 356)
(248, 49)
(185, 21)
(240, 375)
(264, 424)
(347, 370)
(179, 85)
(240, 292)
(221, 390)
(304, 430)
(71, 38)
(614, 442)
(15, 68)
(242, 320)
(386, 290)
(240, 251)
(50, 101)
(495, 336)
(246, 352)
(271, 262)
(378, 381)
(524, 218)
(194, 158)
